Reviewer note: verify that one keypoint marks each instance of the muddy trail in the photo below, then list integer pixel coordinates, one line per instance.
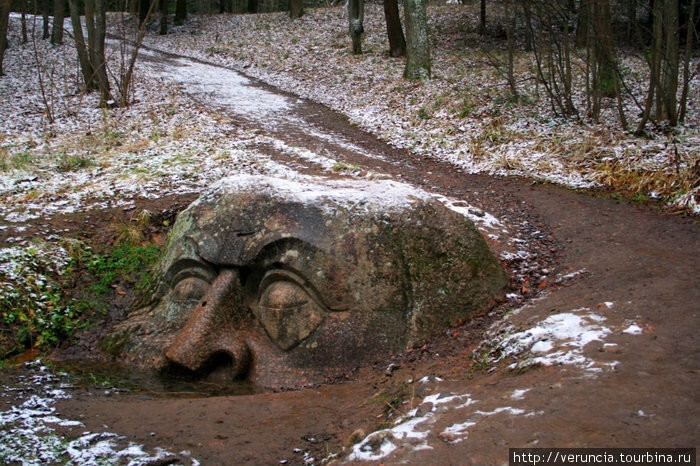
(624, 271)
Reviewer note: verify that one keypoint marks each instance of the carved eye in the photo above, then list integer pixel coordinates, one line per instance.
(287, 312)
(189, 290)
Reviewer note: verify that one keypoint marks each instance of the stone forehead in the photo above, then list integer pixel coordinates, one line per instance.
(357, 195)
(232, 222)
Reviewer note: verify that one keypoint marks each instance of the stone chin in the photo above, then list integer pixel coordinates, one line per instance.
(290, 284)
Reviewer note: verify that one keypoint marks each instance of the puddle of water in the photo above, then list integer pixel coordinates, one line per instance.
(33, 432)
(97, 374)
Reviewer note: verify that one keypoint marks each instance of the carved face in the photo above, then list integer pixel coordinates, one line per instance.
(291, 289)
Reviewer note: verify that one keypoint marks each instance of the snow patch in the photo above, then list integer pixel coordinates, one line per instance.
(378, 196)
(633, 329)
(228, 88)
(412, 430)
(484, 220)
(559, 339)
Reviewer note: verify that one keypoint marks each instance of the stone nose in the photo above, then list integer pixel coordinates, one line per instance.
(209, 333)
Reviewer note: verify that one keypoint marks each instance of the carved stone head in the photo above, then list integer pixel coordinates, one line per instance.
(295, 283)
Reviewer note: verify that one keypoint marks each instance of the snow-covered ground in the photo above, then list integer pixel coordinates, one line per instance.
(59, 152)
(464, 114)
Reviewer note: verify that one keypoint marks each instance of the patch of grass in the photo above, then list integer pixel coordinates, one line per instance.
(476, 149)
(588, 149)
(640, 185)
(113, 137)
(485, 358)
(509, 100)
(35, 311)
(343, 167)
(495, 132)
(48, 291)
(157, 134)
(393, 400)
(128, 233)
(110, 134)
(183, 158)
(130, 263)
(464, 107)
(215, 50)
(4, 160)
(31, 195)
(508, 163)
(180, 132)
(136, 146)
(132, 232)
(423, 114)
(73, 162)
(22, 160)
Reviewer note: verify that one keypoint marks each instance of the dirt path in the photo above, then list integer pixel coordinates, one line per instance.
(628, 273)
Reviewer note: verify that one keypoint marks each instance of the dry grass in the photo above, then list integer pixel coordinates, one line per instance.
(639, 182)
(132, 231)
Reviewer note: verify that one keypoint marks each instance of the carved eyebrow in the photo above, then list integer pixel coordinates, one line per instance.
(190, 268)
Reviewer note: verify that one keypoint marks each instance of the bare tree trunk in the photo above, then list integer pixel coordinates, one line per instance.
(296, 8)
(397, 41)
(583, 23)
(356, 17)
(663, 64)
(58, 16)
(4, 20)
(25, 36)
(690, 34)
(45, 6)
(529, 35)
(95, 18)
(252, 6)
(565, 68)
(671, 62)
(631, 19)
(654, 65)
(163, 17)
(45, 98)
(510, 33)
(180, 12)
(418, 65)
(100, 62)
(604, 80)
(89, 6)
(81, 46)
(482, 17)
(127, 73)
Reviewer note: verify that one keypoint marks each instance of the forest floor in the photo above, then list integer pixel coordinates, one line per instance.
(596, 346)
